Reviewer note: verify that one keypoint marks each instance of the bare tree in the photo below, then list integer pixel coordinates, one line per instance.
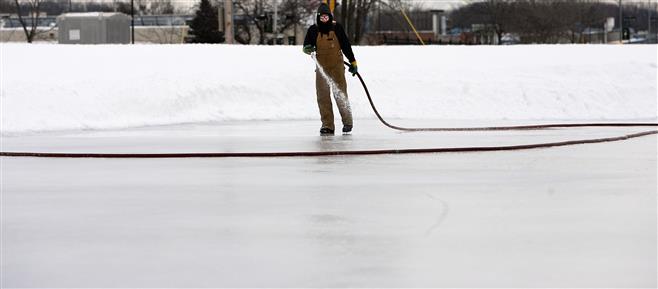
(123, 7)
(500, 14)
(242, 34)
(389, 15)
(257, 14)
(254, 13)
(580, 15)
(353, 14)
(294, 12)
(536, 21)
(161, 7)
(389, 18)
(466, 16)
(363, 8)
(33, 7)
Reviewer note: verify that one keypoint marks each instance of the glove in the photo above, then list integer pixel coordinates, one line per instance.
(308, 49)
(353, 69)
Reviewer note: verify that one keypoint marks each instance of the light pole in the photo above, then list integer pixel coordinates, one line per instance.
(274, 22)
(621, 25)
(132, 20)
(228, 22)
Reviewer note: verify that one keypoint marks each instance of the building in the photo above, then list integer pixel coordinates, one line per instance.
(93, 28)
(392, 28)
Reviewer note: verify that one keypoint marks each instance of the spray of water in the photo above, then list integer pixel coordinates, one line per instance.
(339, 95)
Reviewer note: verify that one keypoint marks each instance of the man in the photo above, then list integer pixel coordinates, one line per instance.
(327, 38)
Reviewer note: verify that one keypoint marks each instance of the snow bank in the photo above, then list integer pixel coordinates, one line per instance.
(56, 87)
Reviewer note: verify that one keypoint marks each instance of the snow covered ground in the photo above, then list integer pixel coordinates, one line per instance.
(68, 87)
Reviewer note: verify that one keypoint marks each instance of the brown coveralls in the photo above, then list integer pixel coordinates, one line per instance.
(330, 59)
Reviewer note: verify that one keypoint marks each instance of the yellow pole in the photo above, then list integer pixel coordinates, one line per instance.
(332, 5)
(412, 26)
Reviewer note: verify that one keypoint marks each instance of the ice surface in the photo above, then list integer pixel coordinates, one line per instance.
(287, 136)
(580, 216)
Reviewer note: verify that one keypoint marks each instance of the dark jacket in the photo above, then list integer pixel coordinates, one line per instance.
(312, 37)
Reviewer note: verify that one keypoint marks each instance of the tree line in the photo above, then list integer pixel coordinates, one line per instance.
(535, 21)
(57, 7)
(549, 21)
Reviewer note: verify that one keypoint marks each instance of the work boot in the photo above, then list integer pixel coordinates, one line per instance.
(347, 129)
(326, 131)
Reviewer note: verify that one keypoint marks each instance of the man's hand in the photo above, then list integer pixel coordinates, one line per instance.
(308, 49)
(353, 69)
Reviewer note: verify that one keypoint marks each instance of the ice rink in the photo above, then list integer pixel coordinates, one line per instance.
(576, 216)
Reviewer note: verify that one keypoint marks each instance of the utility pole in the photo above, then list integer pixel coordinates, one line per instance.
(275, 20)
(220, 18)
(379, 16)
(621, 24)
(132, 20)
(228, 21)
(649, 23)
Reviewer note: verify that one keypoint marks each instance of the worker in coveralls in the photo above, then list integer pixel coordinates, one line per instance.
(328, 40)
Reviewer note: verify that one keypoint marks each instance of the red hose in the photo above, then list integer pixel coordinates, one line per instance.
(514, 127)
(375, 152)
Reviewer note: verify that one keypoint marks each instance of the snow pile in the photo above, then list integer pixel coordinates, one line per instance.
(56, 87)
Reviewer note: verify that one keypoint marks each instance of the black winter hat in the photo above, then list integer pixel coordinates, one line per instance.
(324, 9)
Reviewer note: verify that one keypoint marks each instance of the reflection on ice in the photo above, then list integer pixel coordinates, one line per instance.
(536, 218)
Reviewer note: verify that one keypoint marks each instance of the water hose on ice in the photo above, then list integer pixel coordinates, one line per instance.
(486, 128)
(325, 153)
(375, 152)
